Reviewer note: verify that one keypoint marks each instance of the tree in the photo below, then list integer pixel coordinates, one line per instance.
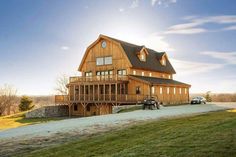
(208, 97)
(7, 98)
(25, 103)
(61, 83)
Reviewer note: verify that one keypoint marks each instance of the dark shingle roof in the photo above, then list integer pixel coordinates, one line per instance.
(152, 63)
(154, 80)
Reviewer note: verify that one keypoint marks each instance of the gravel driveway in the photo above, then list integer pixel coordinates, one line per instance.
(82, 124)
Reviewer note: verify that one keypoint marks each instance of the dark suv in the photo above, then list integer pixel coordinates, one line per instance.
(151, 103)
(198, 100)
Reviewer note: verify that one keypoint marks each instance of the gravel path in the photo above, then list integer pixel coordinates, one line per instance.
(88, 123)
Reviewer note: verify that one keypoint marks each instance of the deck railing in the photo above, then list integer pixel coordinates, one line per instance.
(99, 78)
(123, 98)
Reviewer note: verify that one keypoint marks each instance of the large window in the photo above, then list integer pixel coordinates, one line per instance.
(104, 60)
(108, 60)
(100, 61)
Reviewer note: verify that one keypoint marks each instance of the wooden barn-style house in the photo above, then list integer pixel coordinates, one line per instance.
(116, 72)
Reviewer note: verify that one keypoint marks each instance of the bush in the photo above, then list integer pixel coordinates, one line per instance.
(208, 97)
(25, 103)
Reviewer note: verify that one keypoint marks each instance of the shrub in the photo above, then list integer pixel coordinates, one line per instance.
(25, 103)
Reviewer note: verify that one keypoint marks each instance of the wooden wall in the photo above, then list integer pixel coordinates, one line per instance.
(147, 72)
(100, 109)
(112, 49)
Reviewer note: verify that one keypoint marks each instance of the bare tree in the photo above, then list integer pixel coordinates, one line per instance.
(61, 83)
(7, 98)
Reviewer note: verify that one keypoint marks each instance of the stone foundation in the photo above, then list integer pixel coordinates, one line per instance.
(48, 111)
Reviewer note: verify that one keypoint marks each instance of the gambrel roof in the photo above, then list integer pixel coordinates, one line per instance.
(152, 59)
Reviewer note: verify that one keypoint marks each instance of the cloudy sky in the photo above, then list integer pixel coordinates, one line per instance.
(41, 40)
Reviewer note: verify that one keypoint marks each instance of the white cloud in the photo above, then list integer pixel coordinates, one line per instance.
(65, 48)
(135, 4)
(157, 42)
(121, 9)
(190, 67)
(165, 3)
(194, 24)
(186, 31)
(230, 28)
(227, 57)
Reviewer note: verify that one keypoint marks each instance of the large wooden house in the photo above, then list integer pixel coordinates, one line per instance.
(115, 72)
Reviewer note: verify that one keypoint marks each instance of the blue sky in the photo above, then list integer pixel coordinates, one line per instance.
(41, 40)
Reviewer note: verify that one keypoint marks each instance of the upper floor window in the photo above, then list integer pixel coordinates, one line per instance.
(150, 74)
(108, 60)
(100, 61)
(142, 57)
(104, 60)
(134, 72)
(163, 61)
(169, 76)
(121, 72)
(142, 73)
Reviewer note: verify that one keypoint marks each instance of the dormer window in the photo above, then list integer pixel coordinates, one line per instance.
(163, 61)
(142, 57)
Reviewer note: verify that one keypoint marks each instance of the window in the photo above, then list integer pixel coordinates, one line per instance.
(174, 90)
(150, 74)
(121, 72)
(180, 90)
(88, 74)
(75, 107)
(169, 77)
(163, 75)
(160, 90)
(104, 60)
(99, 61)
(108, 60)
(168, 90)
(134, 72)
(138, 90)
(163, 61)
(142, 73)
(185, 91)
(142, 57)
(153, 90)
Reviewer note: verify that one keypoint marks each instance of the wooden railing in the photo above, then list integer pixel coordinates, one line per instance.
(100, 98)
(99, 78)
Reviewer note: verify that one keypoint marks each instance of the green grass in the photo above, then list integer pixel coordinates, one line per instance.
(208, 135)
(17, 120)
(133, 108)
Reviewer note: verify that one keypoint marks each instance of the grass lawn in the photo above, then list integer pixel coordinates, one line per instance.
(208, 135)
(16, 120)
